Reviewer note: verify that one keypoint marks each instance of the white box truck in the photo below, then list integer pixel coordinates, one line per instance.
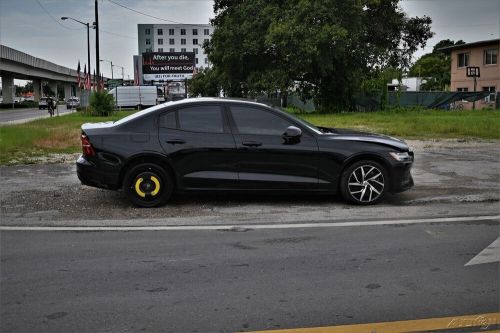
(135, 96)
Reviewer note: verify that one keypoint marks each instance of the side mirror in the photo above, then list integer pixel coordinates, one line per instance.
(292, 132)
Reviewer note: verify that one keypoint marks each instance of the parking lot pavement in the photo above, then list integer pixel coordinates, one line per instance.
(18, 116)
(451, 179)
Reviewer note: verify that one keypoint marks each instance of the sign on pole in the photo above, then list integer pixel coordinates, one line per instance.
(473, 72)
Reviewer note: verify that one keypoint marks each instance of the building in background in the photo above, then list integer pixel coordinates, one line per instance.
(483, 54)
(175, 38)
(186, 40)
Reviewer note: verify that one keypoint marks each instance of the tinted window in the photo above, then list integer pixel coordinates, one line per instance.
(206, 119)
(256, 121)
(167, 120)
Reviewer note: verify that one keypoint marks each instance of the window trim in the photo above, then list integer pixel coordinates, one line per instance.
(487, 99)
(458, 59)
(485, 56)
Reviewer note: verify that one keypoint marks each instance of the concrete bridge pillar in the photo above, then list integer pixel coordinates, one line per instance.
(68, 90)
(8, 89)
(37, 89)
(53, 87)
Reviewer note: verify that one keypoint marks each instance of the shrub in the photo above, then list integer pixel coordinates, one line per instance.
(101, 104)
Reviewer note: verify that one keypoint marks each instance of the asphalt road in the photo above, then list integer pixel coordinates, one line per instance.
(17, 116)
(248, 279)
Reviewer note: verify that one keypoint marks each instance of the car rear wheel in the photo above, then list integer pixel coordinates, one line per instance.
(148, 185)
(364, 183)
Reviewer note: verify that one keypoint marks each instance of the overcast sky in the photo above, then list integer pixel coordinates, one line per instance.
(34, 26)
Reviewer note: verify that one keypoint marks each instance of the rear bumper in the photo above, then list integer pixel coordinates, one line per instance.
(90, 175)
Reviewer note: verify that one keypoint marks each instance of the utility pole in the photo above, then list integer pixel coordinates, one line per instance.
(96, 24)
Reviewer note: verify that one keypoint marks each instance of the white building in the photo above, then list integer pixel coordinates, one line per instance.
(175, 38)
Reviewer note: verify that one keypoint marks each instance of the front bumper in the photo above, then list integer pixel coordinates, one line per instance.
(401, 177)
(92, 175)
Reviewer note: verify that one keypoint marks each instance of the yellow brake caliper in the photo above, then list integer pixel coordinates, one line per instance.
(138, 187)
(157, 186)
(143, 194)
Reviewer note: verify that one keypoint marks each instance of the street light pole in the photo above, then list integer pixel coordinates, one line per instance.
(111, 66)
(96, 25)
(88, 37)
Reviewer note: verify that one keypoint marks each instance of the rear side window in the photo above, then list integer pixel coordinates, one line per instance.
(251, 120)
(204, 119)
(168, 120)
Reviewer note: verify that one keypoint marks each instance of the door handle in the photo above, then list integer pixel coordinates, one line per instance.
(176, 141)
(251, 143)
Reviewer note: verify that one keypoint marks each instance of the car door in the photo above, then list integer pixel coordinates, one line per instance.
(200, 145)
(265, 159)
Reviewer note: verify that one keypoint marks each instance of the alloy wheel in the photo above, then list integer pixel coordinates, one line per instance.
(366, 183)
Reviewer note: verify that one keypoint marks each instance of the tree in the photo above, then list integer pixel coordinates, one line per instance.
(205, 83)
(322, 49)
(435, 66)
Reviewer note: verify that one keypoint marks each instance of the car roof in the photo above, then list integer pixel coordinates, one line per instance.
(186, 102)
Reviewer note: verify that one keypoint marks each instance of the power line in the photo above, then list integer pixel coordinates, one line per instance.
(53, 18)
(115, 34)
(148, 15)
(138, 12)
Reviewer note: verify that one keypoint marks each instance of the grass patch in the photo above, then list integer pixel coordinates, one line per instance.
(416, 124)
(23, 142)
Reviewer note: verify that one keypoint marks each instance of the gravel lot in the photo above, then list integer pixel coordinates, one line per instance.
(452, 178)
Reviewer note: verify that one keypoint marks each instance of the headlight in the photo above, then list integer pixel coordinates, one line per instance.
(402, 157)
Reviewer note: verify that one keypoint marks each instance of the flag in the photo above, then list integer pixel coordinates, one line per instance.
(102, 81)
(78, 74)
(136, 73)
(85, 77)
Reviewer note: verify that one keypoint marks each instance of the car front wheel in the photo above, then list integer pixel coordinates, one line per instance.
(364, 183)
(148, 185)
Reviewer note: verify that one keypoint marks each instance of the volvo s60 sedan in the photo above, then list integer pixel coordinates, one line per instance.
(212, 144)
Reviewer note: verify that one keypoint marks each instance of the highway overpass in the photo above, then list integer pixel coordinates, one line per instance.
(15, 64)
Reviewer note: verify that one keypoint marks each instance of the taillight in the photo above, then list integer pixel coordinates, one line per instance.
(87, 148)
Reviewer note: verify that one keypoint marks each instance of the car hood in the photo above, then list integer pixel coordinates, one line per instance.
(352, 135)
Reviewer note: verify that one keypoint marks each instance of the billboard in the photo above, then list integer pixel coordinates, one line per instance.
(168, 66)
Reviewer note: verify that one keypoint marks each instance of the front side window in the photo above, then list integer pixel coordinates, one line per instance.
(492, 95)
(491, 57)
(160, 41)
(160, 31)
(251, 120)
(171, 41)
(148, 41)
(195, 32)
(195, 50)
(171, 32)
(172, 49)
(183, 49)
(463, 60)
(160, 49)
(206, 32)
(205, 119)
(183, 41)
(183, 31)
(195, 41)
(463, 89)
(147, 31)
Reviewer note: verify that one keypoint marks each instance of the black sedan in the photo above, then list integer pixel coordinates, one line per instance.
(207, 144)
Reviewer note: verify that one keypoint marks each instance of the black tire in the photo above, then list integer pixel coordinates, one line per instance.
(148, 185)
(357, 189)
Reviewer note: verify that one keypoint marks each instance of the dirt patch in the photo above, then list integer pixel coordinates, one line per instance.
(61, 139)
